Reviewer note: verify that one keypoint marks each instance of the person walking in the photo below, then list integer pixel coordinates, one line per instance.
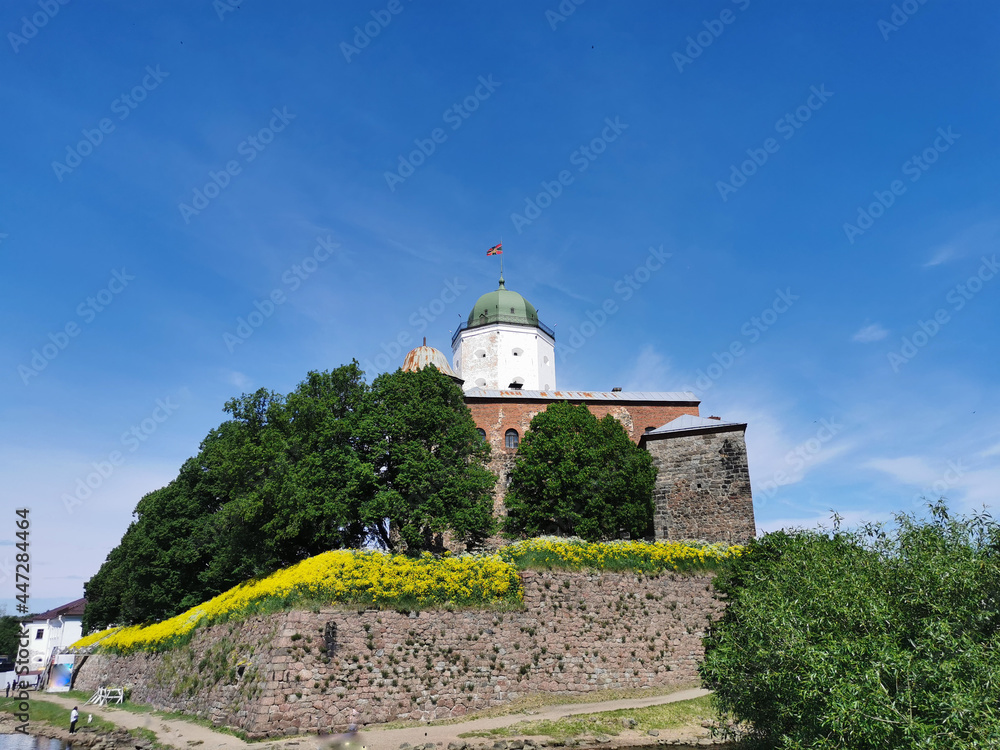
(74, 715)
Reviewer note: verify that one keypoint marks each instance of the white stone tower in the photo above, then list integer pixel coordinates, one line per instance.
(503, 345)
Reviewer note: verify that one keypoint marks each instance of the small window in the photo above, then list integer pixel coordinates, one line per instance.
(512, 439)
(517, 352)
(545, 359)
(482, 433)
(39, 633)
(512, 311)
(481, 382)
(480, 354)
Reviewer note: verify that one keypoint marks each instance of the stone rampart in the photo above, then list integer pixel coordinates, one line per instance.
(305, 671)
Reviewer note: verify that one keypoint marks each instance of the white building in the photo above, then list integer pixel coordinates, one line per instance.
(52, 631)
(504, 346)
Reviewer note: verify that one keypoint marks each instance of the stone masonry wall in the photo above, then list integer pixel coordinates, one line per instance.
(496, 416)
(702, 487)
(306, 671)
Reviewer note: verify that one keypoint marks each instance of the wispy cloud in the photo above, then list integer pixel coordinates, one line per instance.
(649, 371)
(911, 470)
(978, 238)
(849, 519)
(993, 450)
(238, 379)
(941, 255)
(870, 333)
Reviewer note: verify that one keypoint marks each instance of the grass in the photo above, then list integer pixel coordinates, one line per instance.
(145, 709)
(51, 713)
(665, 716)
(533, 701)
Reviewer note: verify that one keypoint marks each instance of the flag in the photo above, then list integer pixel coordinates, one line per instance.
(495, 250)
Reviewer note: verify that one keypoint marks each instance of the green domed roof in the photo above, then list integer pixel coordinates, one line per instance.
(503, 306)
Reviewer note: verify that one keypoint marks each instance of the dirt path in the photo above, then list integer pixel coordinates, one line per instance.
(391, 739)
(184, 734)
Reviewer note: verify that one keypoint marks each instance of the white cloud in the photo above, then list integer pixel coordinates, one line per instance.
(649, 372)
(993, 450)
(870, 333)
(237, 379)
(849, 519)
(966, 487)
(910, 470)
(941, 255)
(782, 447)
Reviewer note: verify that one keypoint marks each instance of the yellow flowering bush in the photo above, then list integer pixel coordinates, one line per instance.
(386, 580)
(348, 576)
(646, 557)
(90, 640)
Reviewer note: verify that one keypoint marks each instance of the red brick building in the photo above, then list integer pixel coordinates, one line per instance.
(703, 481)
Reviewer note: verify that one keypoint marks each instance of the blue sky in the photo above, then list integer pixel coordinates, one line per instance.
(170, 168)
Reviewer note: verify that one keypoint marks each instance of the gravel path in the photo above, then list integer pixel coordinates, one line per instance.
(184, 734)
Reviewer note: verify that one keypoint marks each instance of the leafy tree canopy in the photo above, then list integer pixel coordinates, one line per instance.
(880, 638)
(577, 475)
(428, 462)
(331, 465)
(10, 630)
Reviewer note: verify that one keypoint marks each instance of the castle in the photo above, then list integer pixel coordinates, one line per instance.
(503, 356)
(581, 632)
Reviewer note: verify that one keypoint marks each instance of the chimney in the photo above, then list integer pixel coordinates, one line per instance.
(716, 418)
(616, 389)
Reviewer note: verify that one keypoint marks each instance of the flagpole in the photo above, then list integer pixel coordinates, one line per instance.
(501, 258)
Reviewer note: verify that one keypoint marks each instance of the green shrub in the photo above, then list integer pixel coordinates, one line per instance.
(879, 638)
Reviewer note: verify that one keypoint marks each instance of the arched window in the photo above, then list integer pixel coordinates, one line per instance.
(512, 439)
(482, 433)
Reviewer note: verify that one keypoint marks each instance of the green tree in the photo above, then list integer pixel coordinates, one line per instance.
(291, 472)
(287, 477)
(158, 569)
(577, 475)
(427, 460)
(881, 638)
(10, 630)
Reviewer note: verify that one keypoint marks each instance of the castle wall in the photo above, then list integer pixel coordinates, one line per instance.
(702, 487)
(281, 674)
(496, 416)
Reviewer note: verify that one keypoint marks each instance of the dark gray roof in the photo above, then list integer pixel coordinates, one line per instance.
(73, 609)
(689, 424)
